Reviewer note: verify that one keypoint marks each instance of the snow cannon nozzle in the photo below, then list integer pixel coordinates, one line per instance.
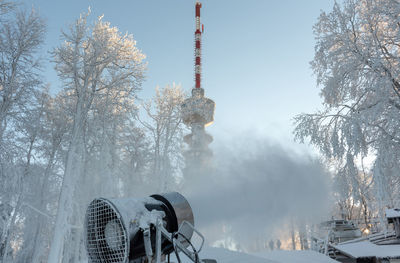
(135, 229)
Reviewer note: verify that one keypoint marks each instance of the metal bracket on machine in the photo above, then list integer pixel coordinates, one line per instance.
(177, 239)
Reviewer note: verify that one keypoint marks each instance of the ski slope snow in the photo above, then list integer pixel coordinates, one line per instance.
(280, 256)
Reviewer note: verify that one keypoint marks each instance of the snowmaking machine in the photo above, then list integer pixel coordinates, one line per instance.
(145, 230)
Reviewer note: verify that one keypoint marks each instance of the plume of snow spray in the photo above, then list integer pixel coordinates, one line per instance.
(254, 190)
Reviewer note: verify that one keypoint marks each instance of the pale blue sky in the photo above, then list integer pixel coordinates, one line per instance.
(256, 54)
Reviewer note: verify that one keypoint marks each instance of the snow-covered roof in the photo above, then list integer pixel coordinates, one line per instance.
(392, 213)
(368, 249)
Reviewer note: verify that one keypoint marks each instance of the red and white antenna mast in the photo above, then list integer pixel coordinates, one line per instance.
(197, 52)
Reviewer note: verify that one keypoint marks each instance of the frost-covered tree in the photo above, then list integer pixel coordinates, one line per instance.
(165, 127)
(55, 129)
(5, 7)
(134, 152)
(356, 62)
(28, 132)
(21, 35)
(20, 39)
(27, 193)
(93, 60)
(107, 123)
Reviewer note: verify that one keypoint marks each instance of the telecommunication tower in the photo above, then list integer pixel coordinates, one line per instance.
(198, 111)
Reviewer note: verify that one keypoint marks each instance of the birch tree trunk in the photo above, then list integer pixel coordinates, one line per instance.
(72, 172)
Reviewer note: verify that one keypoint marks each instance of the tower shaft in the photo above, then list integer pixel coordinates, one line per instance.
(197, 112)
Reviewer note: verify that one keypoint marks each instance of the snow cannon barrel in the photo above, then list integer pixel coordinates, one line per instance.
(198, 109)
(116, 228)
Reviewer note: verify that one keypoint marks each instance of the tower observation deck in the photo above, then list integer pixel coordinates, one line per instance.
(198, 111)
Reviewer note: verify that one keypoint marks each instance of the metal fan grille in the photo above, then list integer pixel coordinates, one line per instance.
(106, 239)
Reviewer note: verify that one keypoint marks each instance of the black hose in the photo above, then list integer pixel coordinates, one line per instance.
(194, 249)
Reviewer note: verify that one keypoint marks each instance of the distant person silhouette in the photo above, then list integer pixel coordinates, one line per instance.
(271, 244)
(278, 244)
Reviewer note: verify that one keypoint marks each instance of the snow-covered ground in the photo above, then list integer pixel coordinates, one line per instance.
(298, 256)
(223, 255)
(281, 256)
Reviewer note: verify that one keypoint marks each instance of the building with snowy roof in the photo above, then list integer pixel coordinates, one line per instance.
(377, 248)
